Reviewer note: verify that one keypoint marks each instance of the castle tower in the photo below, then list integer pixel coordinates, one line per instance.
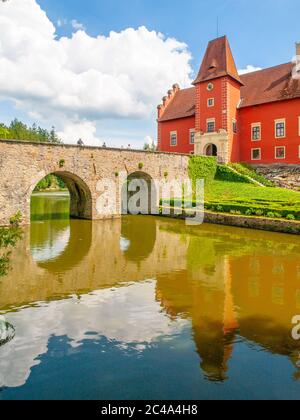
(218, 94)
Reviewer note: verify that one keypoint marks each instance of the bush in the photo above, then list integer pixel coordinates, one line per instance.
(247, 170)
(224, 173)
(202, 167)
(61, 163)
(290, 217)
(259, 213)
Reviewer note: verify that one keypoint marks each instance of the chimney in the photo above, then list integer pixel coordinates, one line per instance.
(298, 51)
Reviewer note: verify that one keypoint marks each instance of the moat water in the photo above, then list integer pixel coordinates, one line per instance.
(148, 308)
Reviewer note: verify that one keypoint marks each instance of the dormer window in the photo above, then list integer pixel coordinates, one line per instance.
(213, 65)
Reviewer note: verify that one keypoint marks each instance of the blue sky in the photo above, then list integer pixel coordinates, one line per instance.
(262, 34)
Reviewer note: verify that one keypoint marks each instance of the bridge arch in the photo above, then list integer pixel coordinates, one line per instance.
(81, 203)
(149, 184)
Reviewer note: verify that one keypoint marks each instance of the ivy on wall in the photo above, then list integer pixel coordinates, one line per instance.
(202, 167)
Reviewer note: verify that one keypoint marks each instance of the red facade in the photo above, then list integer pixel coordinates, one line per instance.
(253, 118)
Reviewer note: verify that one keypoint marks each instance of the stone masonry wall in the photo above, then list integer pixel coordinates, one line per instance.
(286, 176)
(23, 165)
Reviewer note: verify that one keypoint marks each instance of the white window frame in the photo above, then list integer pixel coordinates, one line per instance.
(208, 121)
(280, 147)
(254, 125)
(173, 133)
(208, 102)
(299, 126)
(280, 121)
(252, 150)
(192, 131)
(299, 152)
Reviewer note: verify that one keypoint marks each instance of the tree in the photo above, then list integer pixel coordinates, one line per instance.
(149, 147)
(9, 236)
(4, 132)
(17, 130)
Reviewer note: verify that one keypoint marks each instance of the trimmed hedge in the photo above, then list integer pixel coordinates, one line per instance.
(275, 210)
(247, 170)
(202, 167)
(226, 174)
(255, 209)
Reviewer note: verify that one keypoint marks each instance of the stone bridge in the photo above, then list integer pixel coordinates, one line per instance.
(23, 165)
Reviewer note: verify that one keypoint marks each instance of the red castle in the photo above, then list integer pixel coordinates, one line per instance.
(254, 118)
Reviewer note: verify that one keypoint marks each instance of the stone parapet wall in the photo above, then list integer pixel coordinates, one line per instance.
(23, 165)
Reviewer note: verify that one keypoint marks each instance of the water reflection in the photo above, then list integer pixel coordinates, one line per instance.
(58, 246)
(216, 303)
(50, 206)
(7, 331)
(138, 237)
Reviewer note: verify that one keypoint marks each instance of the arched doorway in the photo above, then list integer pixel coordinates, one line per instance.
(74, 199)
(138, 190)
(211, 150)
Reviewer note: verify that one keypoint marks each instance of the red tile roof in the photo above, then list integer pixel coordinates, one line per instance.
(269, 85)
(260, 87)
(218, 61)
(182, 106)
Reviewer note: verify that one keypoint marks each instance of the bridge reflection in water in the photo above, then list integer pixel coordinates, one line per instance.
(138, 279)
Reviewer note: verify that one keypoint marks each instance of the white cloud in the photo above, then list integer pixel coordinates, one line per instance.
(249, 69)
(77, 25)
(61, 22)
(82, 80)
(149, 140)
(129, 317)
(85, 130)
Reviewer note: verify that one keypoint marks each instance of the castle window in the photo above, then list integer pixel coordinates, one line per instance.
(210, 102)
(192, 136)
(234, 126)
(280, 129)
(173, 138)
(280, 152)
(211, 126)
(256, 154)
(256, 132)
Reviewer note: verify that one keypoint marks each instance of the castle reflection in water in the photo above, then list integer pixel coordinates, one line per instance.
(227, 284)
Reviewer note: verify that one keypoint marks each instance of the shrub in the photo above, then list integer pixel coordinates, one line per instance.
(202, 167)
(271, 215)
(15, 220)
(224, 173)
(259, 213)
(61, 163)
(290, 217)
(247, 170)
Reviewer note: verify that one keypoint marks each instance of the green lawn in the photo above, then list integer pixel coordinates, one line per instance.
(252, 200)
(224, 191)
